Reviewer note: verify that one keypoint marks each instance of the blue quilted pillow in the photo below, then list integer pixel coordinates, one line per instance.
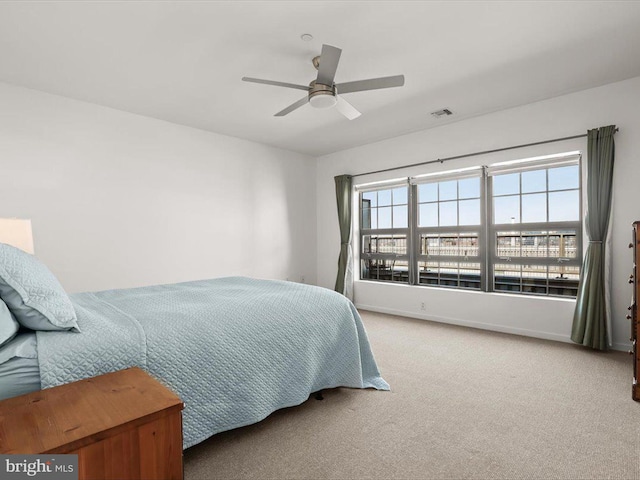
(32, 292)
(8, 325)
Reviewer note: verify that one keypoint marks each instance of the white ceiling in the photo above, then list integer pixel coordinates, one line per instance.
(182, 61)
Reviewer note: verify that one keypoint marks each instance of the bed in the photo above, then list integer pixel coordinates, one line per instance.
(234, 349)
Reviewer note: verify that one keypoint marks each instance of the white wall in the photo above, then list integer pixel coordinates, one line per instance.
(120, 200)
(558, 117)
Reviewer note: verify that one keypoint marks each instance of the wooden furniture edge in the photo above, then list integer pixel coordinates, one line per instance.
(172, 404)
(633, 316)
(104, 434)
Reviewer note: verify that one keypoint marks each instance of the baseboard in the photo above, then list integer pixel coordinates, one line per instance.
(480, 325)
(623, 347)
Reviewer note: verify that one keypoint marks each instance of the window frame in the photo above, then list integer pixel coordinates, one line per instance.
(386, 257)
(493, 228)
(487, 230)
(458, 229)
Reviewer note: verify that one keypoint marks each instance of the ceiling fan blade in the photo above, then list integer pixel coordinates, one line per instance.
(329, 58)
(292, 107)
(346, 109)
(275, 84)
(371, 84)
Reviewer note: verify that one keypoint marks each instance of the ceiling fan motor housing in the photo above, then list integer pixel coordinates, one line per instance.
(322, 96)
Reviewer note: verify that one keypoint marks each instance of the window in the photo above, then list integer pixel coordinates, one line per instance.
(384, 228)
(511, 227)
(536, 230)
(448, 232)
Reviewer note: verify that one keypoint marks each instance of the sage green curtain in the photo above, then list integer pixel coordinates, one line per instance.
(344, 280)
(590, 317)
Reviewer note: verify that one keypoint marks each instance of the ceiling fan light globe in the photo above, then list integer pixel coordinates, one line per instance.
(322, 101)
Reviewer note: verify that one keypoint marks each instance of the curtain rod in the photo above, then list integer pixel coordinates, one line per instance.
(474, 154)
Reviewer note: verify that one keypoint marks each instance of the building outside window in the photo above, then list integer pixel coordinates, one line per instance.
(511, 227)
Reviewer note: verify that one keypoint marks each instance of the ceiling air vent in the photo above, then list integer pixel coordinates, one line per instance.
(442, 113)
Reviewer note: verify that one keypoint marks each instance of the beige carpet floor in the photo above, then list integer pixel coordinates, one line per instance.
(464, 403)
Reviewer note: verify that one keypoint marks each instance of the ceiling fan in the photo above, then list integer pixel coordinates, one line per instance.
(323, 93)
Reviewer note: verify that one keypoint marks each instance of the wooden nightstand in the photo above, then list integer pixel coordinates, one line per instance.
(122, 425)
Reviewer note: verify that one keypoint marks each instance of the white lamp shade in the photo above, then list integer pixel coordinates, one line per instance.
(17, 232)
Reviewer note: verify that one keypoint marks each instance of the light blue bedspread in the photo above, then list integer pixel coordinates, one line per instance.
(234, 349)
